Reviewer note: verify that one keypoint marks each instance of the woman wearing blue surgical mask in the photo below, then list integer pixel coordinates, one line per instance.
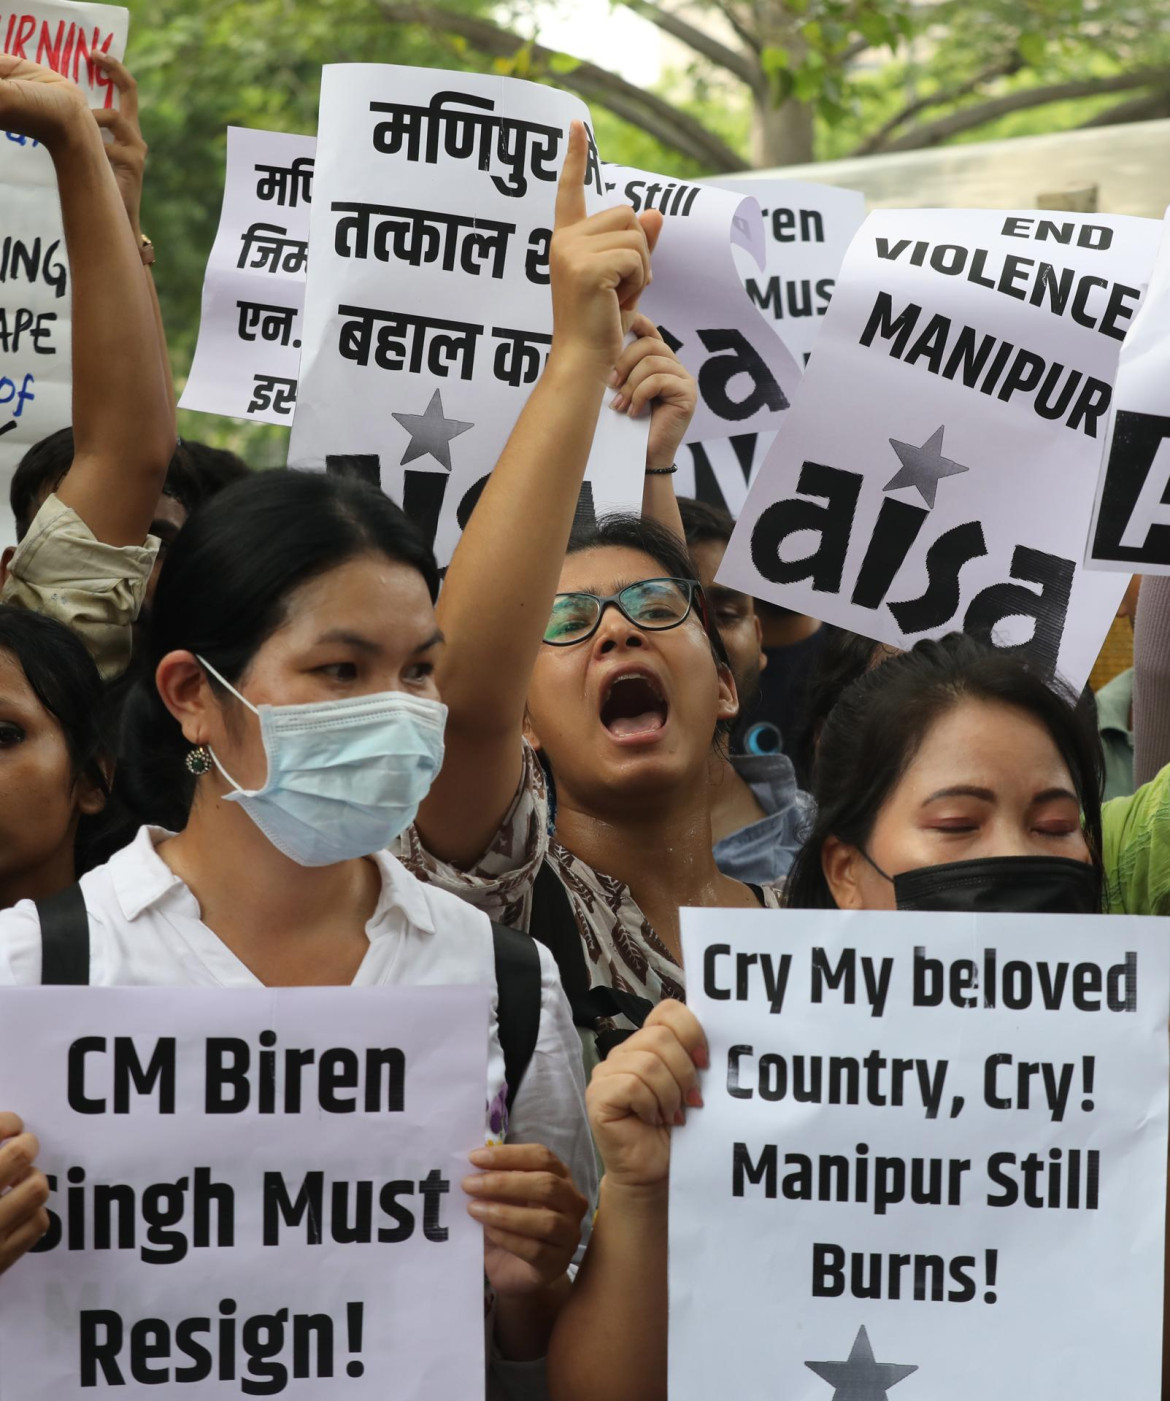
(284, 729)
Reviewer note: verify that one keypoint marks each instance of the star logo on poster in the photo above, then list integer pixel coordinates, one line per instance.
(430, 433)
(923, 467)
(860, 1378)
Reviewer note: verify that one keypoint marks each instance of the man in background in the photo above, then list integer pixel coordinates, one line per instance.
(758, 812)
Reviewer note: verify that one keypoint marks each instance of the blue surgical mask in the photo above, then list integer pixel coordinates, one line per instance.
(345, 777)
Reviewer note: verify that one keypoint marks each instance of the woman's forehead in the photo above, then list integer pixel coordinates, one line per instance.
(607, 568)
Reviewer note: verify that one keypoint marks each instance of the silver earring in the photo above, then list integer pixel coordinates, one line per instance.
(199, 761)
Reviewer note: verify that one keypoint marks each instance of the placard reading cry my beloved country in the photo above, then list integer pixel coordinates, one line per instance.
(931, 1161)
(253, 1192)
(938, 467)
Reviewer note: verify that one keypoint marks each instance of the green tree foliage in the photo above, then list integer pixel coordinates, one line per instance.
(763, 82)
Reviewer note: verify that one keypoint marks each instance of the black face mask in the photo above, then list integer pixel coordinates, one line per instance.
(1001, 884)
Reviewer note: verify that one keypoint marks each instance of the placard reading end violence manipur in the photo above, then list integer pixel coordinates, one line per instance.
(1131, 517)
(253, 1192)
(427, 311)
(938, 467)
(249, 351)
(931, 1157)
(36, 354)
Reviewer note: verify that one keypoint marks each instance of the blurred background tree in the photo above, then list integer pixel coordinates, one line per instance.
(751, 82)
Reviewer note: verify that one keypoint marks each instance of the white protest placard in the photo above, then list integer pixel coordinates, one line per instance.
(1131, 517)
(248, 355)
(809, 228)
(36, 355)
(746, 376)
(253, 1192)
(932, 1156)
(937, 470)
(428, 316)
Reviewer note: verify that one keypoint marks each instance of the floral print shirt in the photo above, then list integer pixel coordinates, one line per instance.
(622, 951)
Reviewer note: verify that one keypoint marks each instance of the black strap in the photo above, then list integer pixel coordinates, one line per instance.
(758, 892)
(518, 1002)
(64, 938)
(554, 924)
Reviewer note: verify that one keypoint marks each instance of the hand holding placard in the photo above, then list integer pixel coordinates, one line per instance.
(127, 151)
(36, 102)
(641, 1090)
(23, 1192)
(527, 1246)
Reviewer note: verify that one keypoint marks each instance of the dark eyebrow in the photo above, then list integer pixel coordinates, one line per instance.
(350, 639)
(961, 790)
(1051, 794)
(985, 795)
(719, 593)
(363, 644)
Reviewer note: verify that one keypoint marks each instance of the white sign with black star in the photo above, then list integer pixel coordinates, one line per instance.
(937, 469)
(930, 1162)
(428, 317)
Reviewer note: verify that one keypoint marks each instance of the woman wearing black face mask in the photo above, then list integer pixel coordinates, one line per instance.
(948, 778)
(953, 778)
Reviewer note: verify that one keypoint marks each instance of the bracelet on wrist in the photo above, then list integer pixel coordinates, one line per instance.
(662, 471)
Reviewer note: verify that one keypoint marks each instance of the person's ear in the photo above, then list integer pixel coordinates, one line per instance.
(5, 561)
(530, 732)
(91, 796)
(186, 692)
(728, 706)
(760, 640)
(841, 864)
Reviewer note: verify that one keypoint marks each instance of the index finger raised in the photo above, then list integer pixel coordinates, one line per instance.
(570, 207)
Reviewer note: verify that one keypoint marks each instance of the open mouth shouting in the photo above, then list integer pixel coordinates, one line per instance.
(633, 707)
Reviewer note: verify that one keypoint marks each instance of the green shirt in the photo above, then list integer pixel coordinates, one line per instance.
(1136, 839)
(1114, 703)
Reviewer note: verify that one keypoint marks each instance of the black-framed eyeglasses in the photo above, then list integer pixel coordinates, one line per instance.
(651, 604)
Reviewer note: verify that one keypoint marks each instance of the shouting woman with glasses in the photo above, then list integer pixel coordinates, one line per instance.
(597, 666)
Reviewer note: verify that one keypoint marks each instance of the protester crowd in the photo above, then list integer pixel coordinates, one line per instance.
(573, 740)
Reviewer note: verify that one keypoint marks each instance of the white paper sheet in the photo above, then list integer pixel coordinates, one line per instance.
(746, 376)
(931, 1196)
(808, 228)
(211, 1228)
(938, 467)
(36, 356)
(248, 355)
(1130, 515)
(428, 317)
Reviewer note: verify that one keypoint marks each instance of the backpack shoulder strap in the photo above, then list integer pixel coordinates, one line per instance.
(517, 1002)
(64, 937)
(554, 925)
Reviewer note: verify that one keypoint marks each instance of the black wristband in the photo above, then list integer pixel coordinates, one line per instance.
(661, 471)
